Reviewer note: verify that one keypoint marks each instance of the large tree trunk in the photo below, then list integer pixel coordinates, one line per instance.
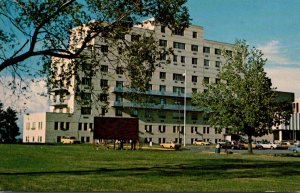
(250, 150)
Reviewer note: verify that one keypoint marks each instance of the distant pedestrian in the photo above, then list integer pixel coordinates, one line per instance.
(218, 148)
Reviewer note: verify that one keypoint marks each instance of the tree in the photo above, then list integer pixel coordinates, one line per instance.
(243, 101)
(41, 30)
(9, 129)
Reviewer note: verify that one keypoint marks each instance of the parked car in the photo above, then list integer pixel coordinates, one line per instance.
(253, 144)
(201, 142)
(269, 145)
(170, 145)
(69, 140)
(286, 145)
(237, 145)
(225, 144)
(295, 148)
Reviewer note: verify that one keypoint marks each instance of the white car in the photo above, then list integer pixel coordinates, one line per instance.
(269, 145)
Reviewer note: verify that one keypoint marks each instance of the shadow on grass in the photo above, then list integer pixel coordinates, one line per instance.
(209, 169)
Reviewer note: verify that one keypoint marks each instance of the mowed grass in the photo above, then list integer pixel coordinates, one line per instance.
(80, 168)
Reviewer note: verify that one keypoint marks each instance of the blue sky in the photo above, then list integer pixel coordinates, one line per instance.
(270, 25)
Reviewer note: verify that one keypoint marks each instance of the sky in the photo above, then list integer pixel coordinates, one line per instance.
(272, 26)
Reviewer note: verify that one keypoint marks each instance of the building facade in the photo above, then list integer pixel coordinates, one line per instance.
(168, 113)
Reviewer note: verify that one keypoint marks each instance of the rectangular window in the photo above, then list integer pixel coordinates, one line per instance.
(104, 48)
(86, 110)
(134, 113)
(194, 60)
(162, 56)
(194, 90)
(178, 77)
(86, 81)
(62, 126)
(103, 83)
(40, 126)
(163, 43)
(179, 32)
(206, 80)
(178, 89)
(55, 125)
(163, 29)
(67, 125)
(33, 126)
(86, 96)
(195, 34)
(182, 59)
(229, 52)
(206, 50)
(119, 98)
(119, 70)
(217, 80)
(162, 88)
(85, 126)
(218, 51)
(204, 130)
(206, 62)
(174, 58)
(218, 64)
(135, 37)
(118, 112)
(194, 48)
(119, 84)
(104, 68)
(162, 75)
(103, 97)
(179, 45)
(194, 78)
(174, 129)
(27, 126)
(79, 126)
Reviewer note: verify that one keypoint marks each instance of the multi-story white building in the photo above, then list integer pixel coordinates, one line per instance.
(162, 119)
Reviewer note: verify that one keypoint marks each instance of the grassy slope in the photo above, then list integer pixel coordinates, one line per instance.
(81, 168)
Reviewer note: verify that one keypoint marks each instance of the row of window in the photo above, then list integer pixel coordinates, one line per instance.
(163, 140)
(34, 139)
(179, 32)
(177, 129)
(66, 126)
(34, 125)
(194, 48)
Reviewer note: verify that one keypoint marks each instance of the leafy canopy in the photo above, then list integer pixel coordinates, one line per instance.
(243, 101)
(39, 30)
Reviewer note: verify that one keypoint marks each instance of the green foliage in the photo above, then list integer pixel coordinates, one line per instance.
(9, 129)
(244, 100)
(43, 30)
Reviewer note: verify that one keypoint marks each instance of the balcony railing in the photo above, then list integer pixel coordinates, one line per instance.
(153, 92)
(156, 106)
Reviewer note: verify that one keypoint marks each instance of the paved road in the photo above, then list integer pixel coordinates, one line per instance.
(244, 151)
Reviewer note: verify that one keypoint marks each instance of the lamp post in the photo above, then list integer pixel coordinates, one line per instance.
(184, 108)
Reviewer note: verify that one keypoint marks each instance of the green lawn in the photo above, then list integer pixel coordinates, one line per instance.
(79, 168)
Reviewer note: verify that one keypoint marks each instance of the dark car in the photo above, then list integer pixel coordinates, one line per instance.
(225, 144)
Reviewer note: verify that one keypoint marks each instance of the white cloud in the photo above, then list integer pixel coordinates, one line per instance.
(276, 53)
(32, 101)
(285, 79)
